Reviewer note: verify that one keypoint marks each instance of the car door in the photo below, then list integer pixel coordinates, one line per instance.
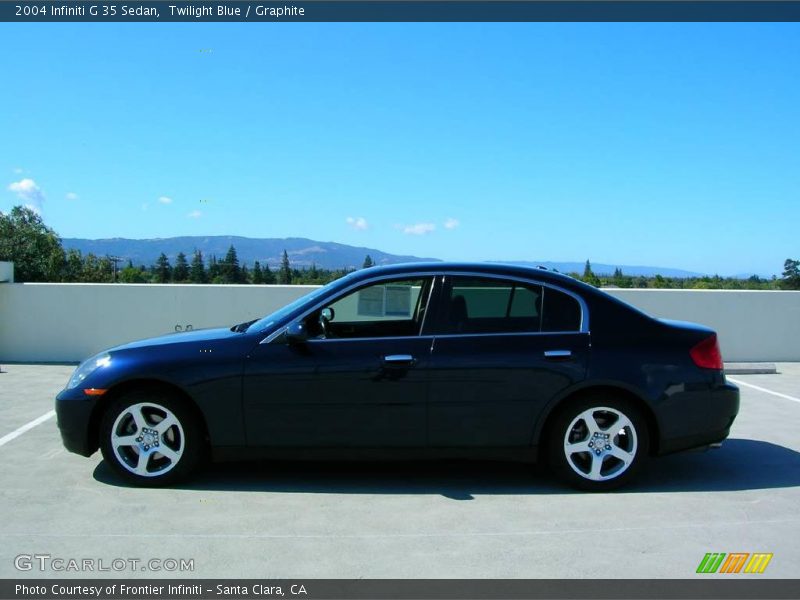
(358, 380)
(498, 358)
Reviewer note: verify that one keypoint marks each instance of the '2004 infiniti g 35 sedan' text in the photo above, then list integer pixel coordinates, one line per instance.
(416, 360)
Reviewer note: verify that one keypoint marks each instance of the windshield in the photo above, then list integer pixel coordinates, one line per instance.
(284, 312)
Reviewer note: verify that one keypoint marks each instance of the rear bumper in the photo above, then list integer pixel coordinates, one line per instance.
(74, 413)
(696, 418)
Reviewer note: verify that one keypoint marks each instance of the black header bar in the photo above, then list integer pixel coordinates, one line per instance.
(405, 11)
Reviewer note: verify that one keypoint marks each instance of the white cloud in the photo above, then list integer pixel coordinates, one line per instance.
(71, 196)
(30, 193)
(165, 200)
(195, 214)
(419, 228)
(451, 223)
(357, 223)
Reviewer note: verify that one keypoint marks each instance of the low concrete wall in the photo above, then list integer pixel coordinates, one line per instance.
(62, 322)
(47, 322)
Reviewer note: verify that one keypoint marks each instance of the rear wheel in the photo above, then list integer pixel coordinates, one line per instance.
(598, 443)
(151, 438)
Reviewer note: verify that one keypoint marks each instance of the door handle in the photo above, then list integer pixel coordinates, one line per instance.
(398, 360)
(558, 354)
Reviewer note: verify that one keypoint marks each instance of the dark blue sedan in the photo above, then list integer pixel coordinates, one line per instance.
(414, 361)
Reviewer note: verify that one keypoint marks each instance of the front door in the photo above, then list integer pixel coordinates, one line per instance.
(360, 380)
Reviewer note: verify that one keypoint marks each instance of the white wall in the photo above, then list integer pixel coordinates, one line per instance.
(62, 322)
(50, 322)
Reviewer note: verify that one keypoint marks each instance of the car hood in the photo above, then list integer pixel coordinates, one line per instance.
(186, 337)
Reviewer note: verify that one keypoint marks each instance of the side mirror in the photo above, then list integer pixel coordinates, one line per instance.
(296, 333)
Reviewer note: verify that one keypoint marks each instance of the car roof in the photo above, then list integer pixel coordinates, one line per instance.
(487, 268)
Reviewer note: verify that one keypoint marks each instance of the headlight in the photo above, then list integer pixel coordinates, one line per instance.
(88, 367)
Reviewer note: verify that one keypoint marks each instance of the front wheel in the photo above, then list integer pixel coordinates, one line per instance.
(150, 438)
(598, 443)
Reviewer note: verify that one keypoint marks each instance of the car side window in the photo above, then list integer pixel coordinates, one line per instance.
(482, 305)
(392, 308)
(561, 312)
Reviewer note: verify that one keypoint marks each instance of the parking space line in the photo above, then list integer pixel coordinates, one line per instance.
(765, 390)
(28, 426)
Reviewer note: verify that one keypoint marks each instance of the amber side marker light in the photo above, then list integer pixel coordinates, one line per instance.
(94, 392)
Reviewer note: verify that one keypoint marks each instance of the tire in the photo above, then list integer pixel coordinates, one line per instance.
(143, 449)
(598, 443)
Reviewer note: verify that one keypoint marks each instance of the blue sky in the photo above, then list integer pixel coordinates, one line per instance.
(675, 145)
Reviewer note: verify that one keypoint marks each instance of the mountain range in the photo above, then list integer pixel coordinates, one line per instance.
(302, 252)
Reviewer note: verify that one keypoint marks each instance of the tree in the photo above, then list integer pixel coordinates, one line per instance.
(285, 271)
(180, 273)
(229, 267)
(589, 276)
(791, 275)
(197, 272)
(163, 270)
(131, 274)
(368, 262)
(73, 266)
(257, 278)
(32, 246)
(267, 275)
(213, 270)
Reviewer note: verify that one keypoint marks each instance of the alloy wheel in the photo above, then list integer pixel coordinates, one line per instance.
(147, 439)
(600, 443)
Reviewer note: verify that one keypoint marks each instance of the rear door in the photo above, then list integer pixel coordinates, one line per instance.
(498, 357)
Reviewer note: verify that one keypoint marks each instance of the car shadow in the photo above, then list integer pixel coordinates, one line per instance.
(740, 464)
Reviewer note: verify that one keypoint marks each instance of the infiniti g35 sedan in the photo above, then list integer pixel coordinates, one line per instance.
(415, 361)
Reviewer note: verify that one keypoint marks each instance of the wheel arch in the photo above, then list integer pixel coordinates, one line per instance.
(130, 385)
(615, 388)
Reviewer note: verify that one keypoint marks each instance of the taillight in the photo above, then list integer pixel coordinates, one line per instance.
(706, 354)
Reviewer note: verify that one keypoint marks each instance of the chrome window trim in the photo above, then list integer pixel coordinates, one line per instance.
(433, 336)
(584, 326)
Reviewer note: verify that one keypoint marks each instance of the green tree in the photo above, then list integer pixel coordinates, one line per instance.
(73, 266)
(791, 275)
(589, 276)
(197, 272)
(32, 246)
(257, 275)
(267, 275)
(285, 271)
(214, 270)
(368, 262)
(163, 270)
(180, 274)
(131, 274)
(229, 267)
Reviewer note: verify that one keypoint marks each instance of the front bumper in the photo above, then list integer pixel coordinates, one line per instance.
(697, 418)
(74, 413)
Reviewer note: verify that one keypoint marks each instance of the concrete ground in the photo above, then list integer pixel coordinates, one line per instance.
(439, 520)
